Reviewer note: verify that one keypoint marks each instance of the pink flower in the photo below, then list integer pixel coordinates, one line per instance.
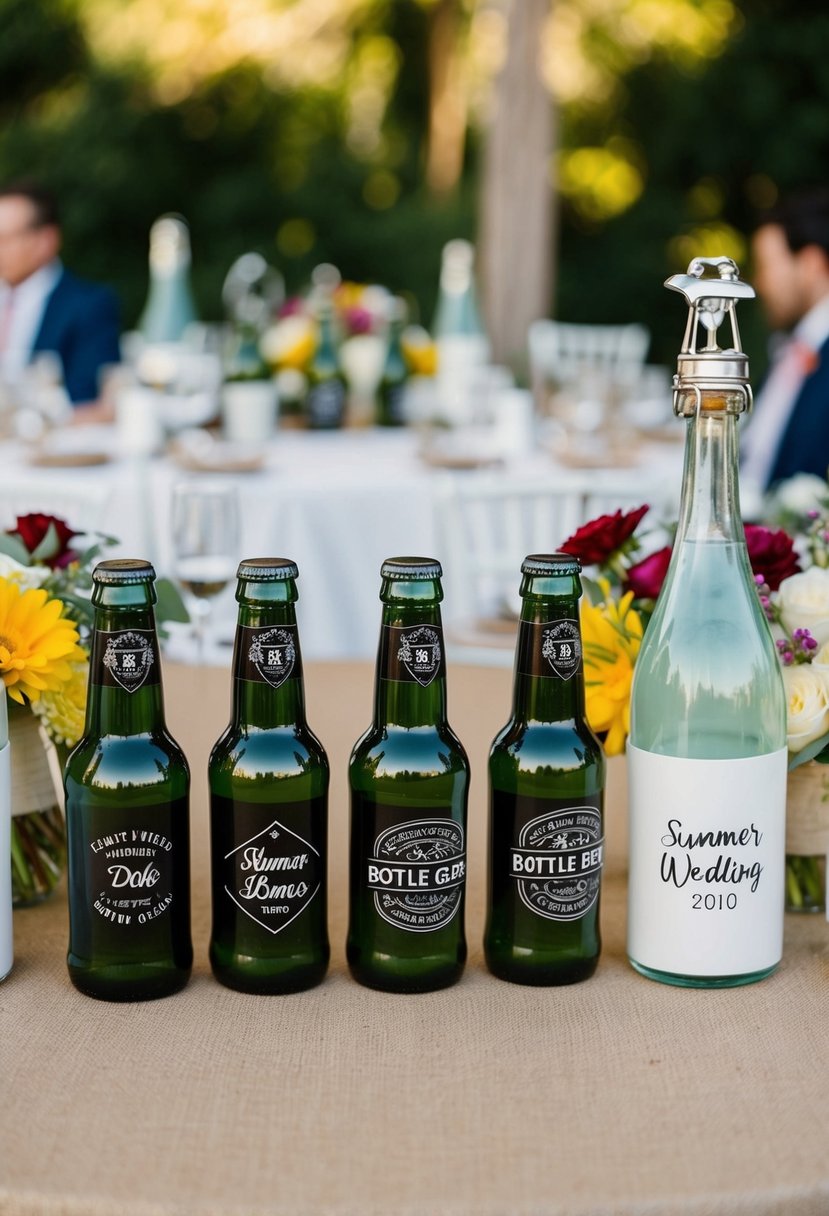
(594, 543)
(771, 554)
(645, 579)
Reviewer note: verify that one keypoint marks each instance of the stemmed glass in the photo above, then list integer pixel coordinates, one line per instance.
(205, 537)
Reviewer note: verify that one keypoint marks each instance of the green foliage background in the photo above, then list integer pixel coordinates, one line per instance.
(239, 159)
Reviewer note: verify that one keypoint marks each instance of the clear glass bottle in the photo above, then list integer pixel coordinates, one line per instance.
(169, 308)
(707, 753)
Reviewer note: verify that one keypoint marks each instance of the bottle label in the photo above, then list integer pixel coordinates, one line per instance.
(132, 869)
(556, 854)
(413, 654)
(550, 648)
(267, 655)
(326, 403)
(270, 871)
(417, 871)
(707, 863)
(125, 658)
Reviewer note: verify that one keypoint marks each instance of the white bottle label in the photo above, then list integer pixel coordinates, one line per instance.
(707, 860)
(5, 860)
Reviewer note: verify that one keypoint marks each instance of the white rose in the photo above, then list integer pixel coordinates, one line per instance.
(24, 576)
(807, 705)
(801, 493)
(821, 660)
(804, 602)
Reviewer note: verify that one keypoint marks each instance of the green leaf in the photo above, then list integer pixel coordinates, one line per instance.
(170, 606)
(49, 547)
(812, 751)
(12, 546)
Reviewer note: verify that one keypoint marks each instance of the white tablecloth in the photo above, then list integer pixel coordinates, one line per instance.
(337, 503)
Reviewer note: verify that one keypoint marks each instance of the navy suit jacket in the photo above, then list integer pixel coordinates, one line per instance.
(81, 324)
(804, 445)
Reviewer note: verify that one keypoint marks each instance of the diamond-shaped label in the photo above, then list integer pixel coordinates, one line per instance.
(273, 876)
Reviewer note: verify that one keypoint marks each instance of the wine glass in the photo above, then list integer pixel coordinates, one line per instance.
(205, 537)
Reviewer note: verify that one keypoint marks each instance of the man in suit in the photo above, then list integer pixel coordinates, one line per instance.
(789, 431)
(43, 307)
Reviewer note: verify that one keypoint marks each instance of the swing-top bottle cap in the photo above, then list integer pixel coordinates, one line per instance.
(123, 572)
(711, 287)
(411, 568)
(267, 570)
(550, 565)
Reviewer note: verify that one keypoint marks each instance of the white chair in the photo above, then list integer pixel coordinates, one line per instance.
(486, 524)
(563, 353)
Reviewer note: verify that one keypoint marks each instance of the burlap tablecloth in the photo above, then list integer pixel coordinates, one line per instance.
(614, 1096)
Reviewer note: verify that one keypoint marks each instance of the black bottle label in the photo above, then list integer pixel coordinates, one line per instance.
(556, 854)
(125, 658)
(132, 871)
(550, 648)
(416, 870)
(267, 655)
(271, 872)
(413, 653)
(326, 403)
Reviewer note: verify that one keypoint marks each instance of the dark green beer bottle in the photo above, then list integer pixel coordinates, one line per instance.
(268, 803)
(409, 779)
(127, 808)
(325, 403)
(546, 779)
(392, 388)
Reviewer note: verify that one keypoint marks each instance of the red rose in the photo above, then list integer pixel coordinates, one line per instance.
(645, 579)
(32, 529)
(771, 554)
(594, 543)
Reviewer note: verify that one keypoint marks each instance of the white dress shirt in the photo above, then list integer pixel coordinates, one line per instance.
(776, 400)
(28, 304)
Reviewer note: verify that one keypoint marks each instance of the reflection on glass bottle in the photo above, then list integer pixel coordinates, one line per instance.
(707, 754)
(169, 308)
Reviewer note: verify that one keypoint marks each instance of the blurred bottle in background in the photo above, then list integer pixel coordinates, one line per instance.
(169, 308)
(392, 389)
(459, 334)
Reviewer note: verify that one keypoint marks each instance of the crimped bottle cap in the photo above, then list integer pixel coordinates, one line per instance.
(411, 568)
(551, 565)
(267, 569)
(123, 572)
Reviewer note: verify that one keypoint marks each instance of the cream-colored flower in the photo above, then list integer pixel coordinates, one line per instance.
(807, 705)
(804, 602)
(24, 576)
(63, 710)
(821, 659)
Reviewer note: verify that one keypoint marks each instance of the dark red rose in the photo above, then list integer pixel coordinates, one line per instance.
(645, 579)
(771, 554)
(32, 528)
(595, 542)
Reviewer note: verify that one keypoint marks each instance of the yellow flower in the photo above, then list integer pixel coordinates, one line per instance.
(63, 710)
(419, 351)
(36, 642)
(612, 635)
(291, 342)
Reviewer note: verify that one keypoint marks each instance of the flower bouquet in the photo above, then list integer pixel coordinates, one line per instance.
(618, 604)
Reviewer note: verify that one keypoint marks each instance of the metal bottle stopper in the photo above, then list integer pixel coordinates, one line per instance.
(711, 298)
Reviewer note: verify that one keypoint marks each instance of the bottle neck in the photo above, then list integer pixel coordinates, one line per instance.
(268, 689)
(125, 690)
(549, 673)
(710, 500)
(410, 686)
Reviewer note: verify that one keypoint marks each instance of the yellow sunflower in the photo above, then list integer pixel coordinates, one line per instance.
(36, 642)
(612, 635)
(63, 710)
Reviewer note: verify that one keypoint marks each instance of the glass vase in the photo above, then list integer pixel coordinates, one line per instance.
(38, 832)
(807, 837)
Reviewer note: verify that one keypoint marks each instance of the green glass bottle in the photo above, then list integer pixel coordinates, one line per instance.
(546, 792)
(707, 752)
(325, 403)
(392, 389)
(268, 803)
(127, 808)
(409, 780)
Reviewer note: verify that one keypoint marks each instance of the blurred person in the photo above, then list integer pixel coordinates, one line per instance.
(46, 308)
(789, 430)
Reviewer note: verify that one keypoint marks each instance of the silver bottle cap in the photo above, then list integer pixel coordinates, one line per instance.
(711, 299)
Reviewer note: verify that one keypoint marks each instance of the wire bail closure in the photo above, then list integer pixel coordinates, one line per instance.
(712, 288)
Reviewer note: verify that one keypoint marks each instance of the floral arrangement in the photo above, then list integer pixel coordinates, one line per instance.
(796, 602)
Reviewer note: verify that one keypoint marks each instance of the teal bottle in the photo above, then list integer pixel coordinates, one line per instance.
(546, 796)
(127, 808)
(268, 777)
(409, 781)
(707, 752)
(169, 307)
